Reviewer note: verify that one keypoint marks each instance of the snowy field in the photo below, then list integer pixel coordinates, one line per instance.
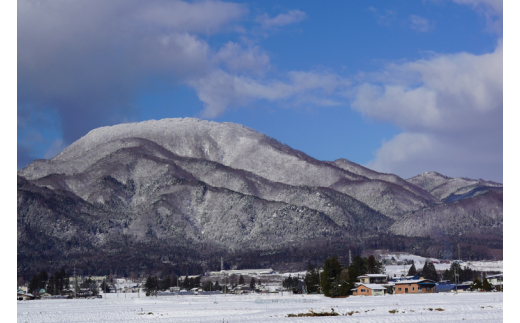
(470, 307)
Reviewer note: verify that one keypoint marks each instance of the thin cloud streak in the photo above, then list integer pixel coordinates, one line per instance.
(282, 19)
(420, 24)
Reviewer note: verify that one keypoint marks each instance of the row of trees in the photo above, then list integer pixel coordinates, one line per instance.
(53, 285)
(429, 272)
(153, 284)
(290, 283)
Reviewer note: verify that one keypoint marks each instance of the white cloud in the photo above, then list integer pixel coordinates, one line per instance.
(493, 10)
(238, 59)
(420, 24)
(202, 17)
(493, 6)
(450, 110)
(385, 18)
(283, 19)
(220, 90)
(85, 59)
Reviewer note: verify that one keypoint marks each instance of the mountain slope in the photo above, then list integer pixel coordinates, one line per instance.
(480, 215)
(442, 187)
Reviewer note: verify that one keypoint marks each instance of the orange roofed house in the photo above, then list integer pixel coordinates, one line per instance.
(369, 290)
(415, 286)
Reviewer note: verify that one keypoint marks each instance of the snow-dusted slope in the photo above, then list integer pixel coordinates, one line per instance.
(226, 143)
(477, 216)
(240, 148)
(442, 186)
(390, 178)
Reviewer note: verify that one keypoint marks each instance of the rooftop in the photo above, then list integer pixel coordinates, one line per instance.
(373, 286)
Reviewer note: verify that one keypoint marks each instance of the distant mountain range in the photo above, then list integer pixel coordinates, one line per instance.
(182, 192)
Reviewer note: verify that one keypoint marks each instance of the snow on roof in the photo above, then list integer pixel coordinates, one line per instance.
(372, 275)
(373, 286)
(495, 276)
(414, 281)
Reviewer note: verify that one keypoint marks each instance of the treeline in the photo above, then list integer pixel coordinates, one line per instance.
(53, 285)
(125, 256)
(154, 284)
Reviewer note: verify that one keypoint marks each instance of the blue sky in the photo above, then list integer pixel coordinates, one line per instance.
(400, 86)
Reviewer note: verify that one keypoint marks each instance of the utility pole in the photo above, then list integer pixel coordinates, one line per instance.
(456, 278)
(75, 281)
(319, 277)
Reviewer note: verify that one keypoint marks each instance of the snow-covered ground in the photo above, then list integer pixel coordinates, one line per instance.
(471, 307)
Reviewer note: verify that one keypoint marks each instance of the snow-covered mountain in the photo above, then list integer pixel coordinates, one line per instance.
(186, 190)
(452, 189)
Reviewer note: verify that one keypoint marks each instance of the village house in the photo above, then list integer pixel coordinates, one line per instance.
(414, 286)
(497, 281)
(369, 290)
(372, 279)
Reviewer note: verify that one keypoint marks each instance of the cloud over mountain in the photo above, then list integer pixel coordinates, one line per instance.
(448, 106)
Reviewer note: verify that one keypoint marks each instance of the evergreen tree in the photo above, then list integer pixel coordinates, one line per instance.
(104, 286)
(372, 265)
(359, 264)
(450, 275)
(477, 284)
(331, 269)
(241, 280)
(446, 275)
(208, 286)
(196, 281)
(61, 281)
(148, 286)
(486, 286)
(252, 283)
(412, 271)
(21, 282)
(186, 283)
(51, 286)
(259, 282)
(287, 282)
(43, 277)
(166, 283)
(312, 279)
(352, 276)
(429, 272)
(217, 286)
(33, 284)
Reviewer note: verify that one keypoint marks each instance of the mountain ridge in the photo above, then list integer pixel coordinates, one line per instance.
(187, 189)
